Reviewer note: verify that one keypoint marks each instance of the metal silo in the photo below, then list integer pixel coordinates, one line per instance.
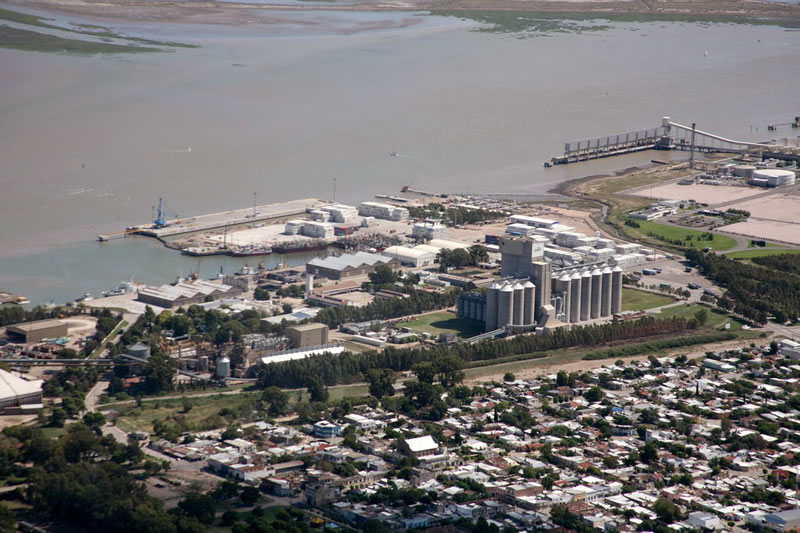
(519, 304)
(597, 286)
(586, 295)
(575, 298)
(605, 294)
(223, 367)
(505, 305)
(564, 287)
(529, 313)
(616, 290)
(491, 306)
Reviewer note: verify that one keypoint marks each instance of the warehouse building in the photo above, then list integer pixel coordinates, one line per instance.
(186, 293)
(382, 211)
(306, 335)
(428, 230)
(38, 330)
(413, 257)
(19, 395)
(348, 265)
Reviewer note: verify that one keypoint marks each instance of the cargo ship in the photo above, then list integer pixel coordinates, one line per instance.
(246, 251)
(291, 247)
(201, 251)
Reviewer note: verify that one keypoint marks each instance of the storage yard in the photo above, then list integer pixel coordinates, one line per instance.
(707, 194)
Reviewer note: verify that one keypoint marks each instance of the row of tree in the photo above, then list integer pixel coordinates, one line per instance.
(351, 367)
(755, 291)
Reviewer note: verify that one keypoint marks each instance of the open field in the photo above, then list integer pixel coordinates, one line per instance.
(715, 318)
(636, 300)
(444, 322)
(773, 230)
(762, 252)
(776, 207)
(719, 243)
(707, 194)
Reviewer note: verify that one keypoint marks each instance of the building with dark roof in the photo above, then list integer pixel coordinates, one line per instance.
(348, 265)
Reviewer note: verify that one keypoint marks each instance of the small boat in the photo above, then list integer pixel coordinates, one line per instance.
(394, 154)
(246, 270)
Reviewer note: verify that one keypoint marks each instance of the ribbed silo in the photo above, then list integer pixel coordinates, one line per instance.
(586, 295)
(491, 306)
(605, 294)
(563, 287)
(530, 300)
(505, 304)
(597, 286)
(519, 304)
(575, 298)
(616, 290)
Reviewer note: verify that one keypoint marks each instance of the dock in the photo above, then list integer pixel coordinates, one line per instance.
(669, 136)
(263, 214)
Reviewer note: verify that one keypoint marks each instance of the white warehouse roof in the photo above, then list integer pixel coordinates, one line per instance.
(12, 386)
(421, 444)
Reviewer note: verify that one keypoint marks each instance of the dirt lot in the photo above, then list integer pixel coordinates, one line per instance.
(766, 229)
(778, 207)
(707, 194)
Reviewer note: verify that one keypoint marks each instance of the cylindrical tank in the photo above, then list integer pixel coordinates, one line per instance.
(505, 305)
(605, 295)
(586, 295)
(616, 290)
(309, 282)
(597, 286)
(140, 350)
(519, 304)
(202, 363)
(530, 299)
(744, 171)
(223, 367)
(480, 311)
(575, 298)
(564, 286)
(491, 307)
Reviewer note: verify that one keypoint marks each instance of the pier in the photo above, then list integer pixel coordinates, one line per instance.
(669, 136)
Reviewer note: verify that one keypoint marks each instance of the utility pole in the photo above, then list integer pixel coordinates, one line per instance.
(334, 189)
(254, 205)
(691, 154)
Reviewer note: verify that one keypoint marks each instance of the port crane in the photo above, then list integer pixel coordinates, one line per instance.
(159, 217)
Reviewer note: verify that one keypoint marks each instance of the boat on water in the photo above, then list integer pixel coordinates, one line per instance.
(246, 270)
(198, 251)
(297, 246)
(246, 251)
(126, 287)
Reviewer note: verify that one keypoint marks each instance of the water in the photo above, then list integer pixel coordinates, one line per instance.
(88, 144)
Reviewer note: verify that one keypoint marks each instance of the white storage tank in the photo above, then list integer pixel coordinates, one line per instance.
(491, 306)
(519, 304)
(564, 287)
(744, 171)
(505, 306)
(575, 298)
(616, 290)
(223, 367)
(605, 295)
(597, 286)
(530, 299)
(586, 295)
(775, 177)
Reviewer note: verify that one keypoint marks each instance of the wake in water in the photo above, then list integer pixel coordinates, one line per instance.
(186, 151)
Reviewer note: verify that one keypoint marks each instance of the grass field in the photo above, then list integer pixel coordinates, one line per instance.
(715, 318)
(636, 300)
(761, 252)
(719, 243)
(444, 322)
(32, 41)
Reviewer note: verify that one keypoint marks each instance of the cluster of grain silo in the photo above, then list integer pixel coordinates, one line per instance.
(581, 295)
(510, 303)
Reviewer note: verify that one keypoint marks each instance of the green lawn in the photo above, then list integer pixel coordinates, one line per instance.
(719, 243)
(761, 252)
(636, 300)
(715, 318)
(444, 322)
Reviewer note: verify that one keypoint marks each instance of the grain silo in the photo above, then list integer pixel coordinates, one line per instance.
(505, 304)
(597, 287)
(491, 306)
(528, 314)
(616, 290)
(564, 287)
(519, 304)
(575, 298)
(605, 294)
(586, 295)
(223, 367)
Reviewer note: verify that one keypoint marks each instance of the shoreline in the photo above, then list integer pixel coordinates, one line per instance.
(241, 13)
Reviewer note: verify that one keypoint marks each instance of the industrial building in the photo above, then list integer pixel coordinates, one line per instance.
(306, 335)
(382, 211)
(310, 228)
(773, 177)
(30, 332)
(413, 257)
(428, 230)
(186, 293)
(343, 214)
(19, 395)
(518, 254)
(348, 265)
